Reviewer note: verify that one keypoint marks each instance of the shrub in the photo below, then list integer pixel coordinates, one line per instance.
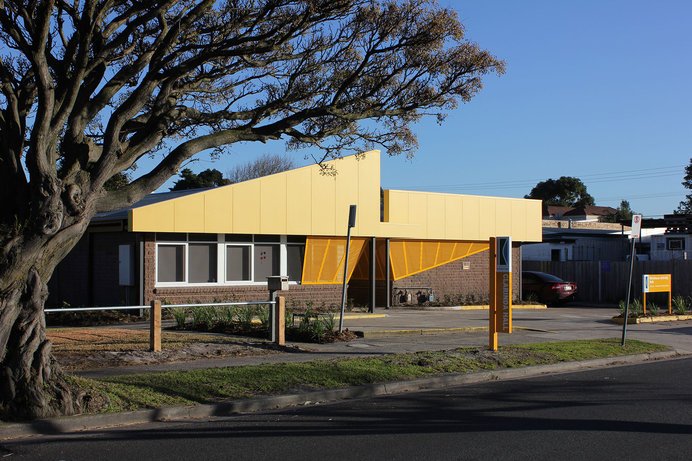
(653, 309)
(680, 305)
(180, 316)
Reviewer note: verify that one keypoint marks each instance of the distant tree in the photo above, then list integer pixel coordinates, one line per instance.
(263, 166)
(685, 206)
(623, 213)
(117, 181)
(566, 191)
(207, 178)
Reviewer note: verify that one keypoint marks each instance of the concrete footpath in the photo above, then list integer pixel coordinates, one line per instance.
(395, 331)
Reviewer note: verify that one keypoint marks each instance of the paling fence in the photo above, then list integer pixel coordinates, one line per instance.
(606, 281)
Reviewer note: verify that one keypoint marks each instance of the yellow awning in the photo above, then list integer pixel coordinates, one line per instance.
(325, 257)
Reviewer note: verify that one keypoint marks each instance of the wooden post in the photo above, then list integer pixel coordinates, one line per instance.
(155, 326)
(280, 321)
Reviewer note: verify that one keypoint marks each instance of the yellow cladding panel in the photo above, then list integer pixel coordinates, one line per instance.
(246, 207)
(454, 212)
(273, 204)
(218, 210)
(346, 194)
(436, 216)
(189, 213)
(298, 195)
(368, 219)
(322, 202)
(156, 218)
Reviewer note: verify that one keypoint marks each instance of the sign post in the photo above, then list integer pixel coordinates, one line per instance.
(500, 289)
(635, 233)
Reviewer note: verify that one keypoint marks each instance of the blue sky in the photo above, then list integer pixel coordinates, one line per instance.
(600, 90)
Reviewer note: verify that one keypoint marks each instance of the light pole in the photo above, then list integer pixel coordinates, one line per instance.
(351, 223)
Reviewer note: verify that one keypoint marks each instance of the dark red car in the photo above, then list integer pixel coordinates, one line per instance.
(546, 288)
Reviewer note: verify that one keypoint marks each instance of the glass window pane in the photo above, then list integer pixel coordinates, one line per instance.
(170, 263)
(266, 262)
(202, 263)
(295, 239)
(237, 263)
(294, 262)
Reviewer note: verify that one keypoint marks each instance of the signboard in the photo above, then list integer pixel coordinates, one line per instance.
(656, 283)
(504, 254)
(500, 309)
(636, 226)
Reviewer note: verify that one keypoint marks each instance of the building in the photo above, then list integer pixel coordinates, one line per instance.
(220, 244)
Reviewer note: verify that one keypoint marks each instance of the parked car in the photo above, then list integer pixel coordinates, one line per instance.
(547, 288)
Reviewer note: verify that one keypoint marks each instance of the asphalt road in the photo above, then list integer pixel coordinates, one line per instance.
(632, 412)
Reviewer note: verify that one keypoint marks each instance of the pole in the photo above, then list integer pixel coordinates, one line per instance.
(351, 223)
(629, 288)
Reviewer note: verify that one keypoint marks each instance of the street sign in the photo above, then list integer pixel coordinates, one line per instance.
(500, 309)
(636, 231)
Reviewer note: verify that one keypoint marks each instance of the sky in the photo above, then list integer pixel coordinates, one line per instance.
(596, 89)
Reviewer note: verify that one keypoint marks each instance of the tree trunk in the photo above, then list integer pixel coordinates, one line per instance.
(32, 385)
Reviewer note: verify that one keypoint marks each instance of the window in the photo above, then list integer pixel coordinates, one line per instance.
(294, 262)
(238, 263)
(202, 263)
(675, 243)
(183, 259)
(170, 263)
(266, 262)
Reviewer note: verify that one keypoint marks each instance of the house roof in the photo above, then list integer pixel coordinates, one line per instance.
(591, 211)
(305, 201)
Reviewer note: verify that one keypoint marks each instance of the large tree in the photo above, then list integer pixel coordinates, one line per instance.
(685, 206)
(565, 191)
(89, 87)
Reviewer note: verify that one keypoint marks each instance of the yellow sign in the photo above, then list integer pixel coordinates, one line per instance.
(500, 312)
(656, 283)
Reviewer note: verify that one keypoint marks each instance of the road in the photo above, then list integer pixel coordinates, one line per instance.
(632, 412)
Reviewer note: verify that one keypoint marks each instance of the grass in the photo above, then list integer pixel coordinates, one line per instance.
(154, 390)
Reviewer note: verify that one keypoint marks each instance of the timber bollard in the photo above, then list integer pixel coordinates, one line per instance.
(155, 326)
(280, 321)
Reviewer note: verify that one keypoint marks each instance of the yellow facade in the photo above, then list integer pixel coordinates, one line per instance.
(305, 201)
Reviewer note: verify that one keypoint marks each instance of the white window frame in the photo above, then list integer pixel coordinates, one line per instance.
(221, 261)
(252, 264)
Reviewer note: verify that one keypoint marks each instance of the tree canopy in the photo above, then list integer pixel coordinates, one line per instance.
(207, 178)
(622, 213)
(566, 191)
(685, 206)
(263, 165)
(90, 88)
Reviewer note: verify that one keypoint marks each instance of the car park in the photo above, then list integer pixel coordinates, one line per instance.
(546, 288)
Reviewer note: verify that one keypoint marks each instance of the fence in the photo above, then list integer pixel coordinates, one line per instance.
(606, 281)
(277, 332)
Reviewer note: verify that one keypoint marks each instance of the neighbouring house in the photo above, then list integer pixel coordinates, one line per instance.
(583, 213)
(676, 242)
(221, 244)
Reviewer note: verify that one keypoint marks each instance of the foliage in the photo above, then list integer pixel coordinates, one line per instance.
(117, 181)
(566, 191)
(180, 316)
(207, 178)
(636, 309)
(685, 206)
(262, 166)
(622, 213)
(680, 306)
(653, 309)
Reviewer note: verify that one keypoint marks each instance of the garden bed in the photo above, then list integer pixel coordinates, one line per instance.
(653, 319)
